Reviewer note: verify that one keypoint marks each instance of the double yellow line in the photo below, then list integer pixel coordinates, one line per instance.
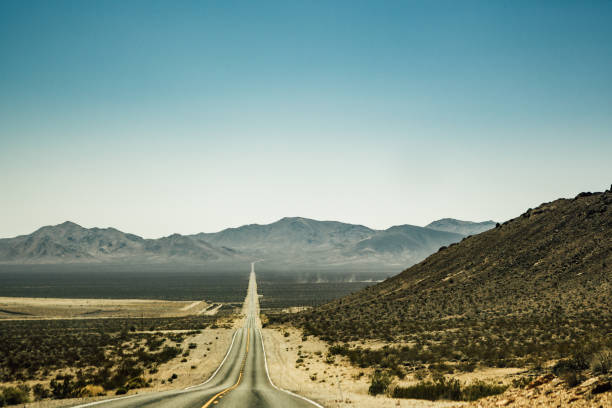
(219, 395)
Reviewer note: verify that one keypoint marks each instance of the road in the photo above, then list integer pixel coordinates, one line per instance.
(242, 379)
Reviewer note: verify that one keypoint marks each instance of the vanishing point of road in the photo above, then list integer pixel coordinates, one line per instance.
(241, 380)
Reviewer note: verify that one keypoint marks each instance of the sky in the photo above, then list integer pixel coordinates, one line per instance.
(158, 117)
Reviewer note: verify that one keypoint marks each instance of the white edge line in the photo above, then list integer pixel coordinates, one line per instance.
(274, 385)
(105, 401)
(193, 386)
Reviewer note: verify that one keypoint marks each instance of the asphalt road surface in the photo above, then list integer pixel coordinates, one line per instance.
(241, 380)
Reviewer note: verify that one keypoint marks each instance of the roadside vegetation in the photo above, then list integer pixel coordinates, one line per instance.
(76, 358)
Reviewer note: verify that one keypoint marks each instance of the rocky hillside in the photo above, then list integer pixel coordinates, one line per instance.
(537, 285)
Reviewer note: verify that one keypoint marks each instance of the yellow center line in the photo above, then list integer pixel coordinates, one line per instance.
(221, 393)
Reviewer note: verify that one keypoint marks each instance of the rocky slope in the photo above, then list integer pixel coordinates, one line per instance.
(536, 288)
(550, 258)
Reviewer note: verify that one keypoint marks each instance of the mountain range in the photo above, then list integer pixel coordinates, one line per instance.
(289, 241)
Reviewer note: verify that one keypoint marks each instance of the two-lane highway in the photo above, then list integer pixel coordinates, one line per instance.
(242, 379)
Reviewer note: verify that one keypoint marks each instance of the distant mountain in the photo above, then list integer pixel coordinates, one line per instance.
(290, 234)
(292, 241)
(306, 241)
(404, 242)
(69, 242)
(461, 227)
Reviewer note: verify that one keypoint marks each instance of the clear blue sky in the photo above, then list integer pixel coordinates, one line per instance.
(171, 116)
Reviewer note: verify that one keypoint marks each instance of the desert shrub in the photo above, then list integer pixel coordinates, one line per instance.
(481, 389)
(451, 389)
(466, 367)
(521, 382)
(572, 378)
(442, 367)
(121, 391)
(92, 391)
(601, 362)
(572, 365)
(15, 395)
(380, 383)
(128, 369)
(138, 382)
(439, 388)
(32, 349)
(40, 391)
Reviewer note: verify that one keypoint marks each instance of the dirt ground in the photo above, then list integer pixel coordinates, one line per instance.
(337, 385)
(49, 308)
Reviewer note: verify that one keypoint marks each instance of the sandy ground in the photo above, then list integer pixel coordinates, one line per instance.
(49, 308)
(211, 347)
(333, 385)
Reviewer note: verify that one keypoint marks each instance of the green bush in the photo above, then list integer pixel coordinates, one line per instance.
(40, 392)
(380, 383)
(521, 382)
(480, 389)
(15, 395)
(138, 382)
(574, 364)
(440, 388)
(572, 378)
(449, 389)
(64, 387)
(602, 362)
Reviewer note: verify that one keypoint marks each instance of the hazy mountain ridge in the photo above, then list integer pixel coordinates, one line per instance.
(304, 240)
(290, 241)
(461, 227)
(407, 240)
(69, 242)
(299, 232)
